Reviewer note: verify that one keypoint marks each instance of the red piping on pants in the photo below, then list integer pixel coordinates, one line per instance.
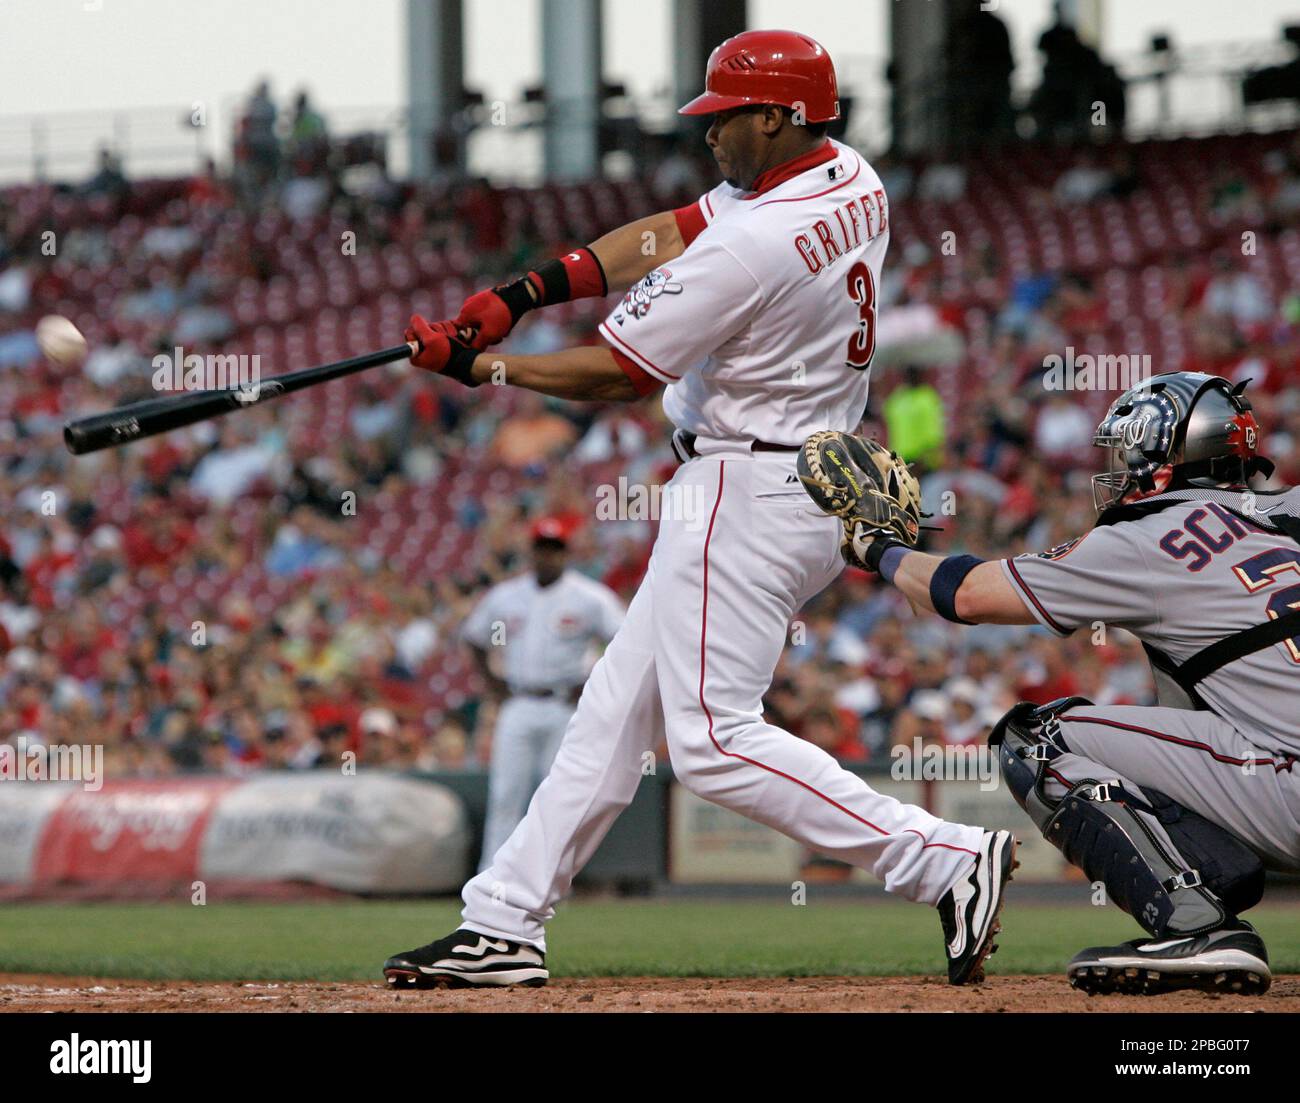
(1192, 744)
(704, 631)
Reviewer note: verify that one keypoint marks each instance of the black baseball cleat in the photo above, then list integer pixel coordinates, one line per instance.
(467, 959)
(969, 910)
(1230, 959)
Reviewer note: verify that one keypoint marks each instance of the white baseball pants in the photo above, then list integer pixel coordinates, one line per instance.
(525, 740)
(692, 661)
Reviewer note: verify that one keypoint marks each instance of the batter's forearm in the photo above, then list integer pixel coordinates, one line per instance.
(628, 253)
(584, 374)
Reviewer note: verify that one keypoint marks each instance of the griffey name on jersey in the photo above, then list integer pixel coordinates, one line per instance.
(859, 220)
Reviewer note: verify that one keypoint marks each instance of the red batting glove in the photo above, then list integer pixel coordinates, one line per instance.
(442, 349)
(489, 316)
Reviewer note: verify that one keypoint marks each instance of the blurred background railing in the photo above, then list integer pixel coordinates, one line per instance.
(1169, 93)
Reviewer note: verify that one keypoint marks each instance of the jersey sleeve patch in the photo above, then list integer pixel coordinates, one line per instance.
(1101, 578)
(1060, 551)
(671, 321)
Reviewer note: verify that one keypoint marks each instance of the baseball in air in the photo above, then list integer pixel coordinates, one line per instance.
(60, 341)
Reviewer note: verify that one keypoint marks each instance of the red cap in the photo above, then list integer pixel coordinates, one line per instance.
(550, 528)
(780, 67)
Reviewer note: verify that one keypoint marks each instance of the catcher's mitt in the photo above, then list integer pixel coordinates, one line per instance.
(867, 486)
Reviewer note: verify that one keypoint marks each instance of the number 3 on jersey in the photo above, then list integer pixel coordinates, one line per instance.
(862, 345)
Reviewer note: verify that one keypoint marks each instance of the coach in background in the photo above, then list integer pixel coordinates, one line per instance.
(548, 624)
(1176, 808)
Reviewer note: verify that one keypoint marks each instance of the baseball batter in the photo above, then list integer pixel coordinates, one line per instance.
(755, 310)
(1177, 809)
(547, 623)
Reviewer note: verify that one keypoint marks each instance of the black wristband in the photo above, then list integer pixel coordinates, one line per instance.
(518, 299)
(460, 365)
(555, 282)
(944, 583)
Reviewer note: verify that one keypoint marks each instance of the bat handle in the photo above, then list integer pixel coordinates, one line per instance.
(465, 333)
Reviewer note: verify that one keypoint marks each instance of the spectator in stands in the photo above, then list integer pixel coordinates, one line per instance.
(1075, 81)
(108, 181)
(914, 416)
(533, 436)
(1237, 294)
(308, 137)
(257, 146)
(980, 67)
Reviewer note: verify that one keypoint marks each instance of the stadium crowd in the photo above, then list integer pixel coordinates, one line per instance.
(207, 600)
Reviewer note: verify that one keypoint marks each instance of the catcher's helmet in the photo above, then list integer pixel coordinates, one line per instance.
(1177, 429)
(779, 67)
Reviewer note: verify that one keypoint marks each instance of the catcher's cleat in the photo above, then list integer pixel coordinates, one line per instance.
(969, 910)
(467, 959)
(1230, 959)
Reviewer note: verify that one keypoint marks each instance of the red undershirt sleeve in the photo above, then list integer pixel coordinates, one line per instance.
(690, 221)
(642, 380)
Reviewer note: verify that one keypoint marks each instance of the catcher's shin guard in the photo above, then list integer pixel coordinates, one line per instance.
(1171, 869)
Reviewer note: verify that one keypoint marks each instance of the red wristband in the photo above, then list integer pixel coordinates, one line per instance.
(577, 275)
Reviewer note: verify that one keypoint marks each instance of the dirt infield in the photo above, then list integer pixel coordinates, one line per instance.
(636, 994)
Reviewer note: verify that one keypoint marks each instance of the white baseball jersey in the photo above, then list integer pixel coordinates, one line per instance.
(763, 329)
(549, 633)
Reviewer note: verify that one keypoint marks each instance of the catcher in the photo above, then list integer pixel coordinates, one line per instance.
(1177, 808)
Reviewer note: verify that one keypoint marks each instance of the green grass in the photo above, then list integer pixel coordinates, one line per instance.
(349, 941)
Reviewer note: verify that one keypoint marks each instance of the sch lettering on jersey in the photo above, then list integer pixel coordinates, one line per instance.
(862, 219)
(1200, 539)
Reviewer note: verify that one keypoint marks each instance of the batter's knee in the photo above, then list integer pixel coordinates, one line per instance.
(697, 748)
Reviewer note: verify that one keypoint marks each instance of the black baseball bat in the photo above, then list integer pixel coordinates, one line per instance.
(158, 415)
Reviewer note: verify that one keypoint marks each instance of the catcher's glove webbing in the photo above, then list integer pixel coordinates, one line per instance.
(871, 490)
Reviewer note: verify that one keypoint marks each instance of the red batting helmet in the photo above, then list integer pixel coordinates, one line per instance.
(780, 67)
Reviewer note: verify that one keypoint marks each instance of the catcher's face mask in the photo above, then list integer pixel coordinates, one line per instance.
(1137, 433)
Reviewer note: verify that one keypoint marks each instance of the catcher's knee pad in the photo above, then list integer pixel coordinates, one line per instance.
(1027, 739)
